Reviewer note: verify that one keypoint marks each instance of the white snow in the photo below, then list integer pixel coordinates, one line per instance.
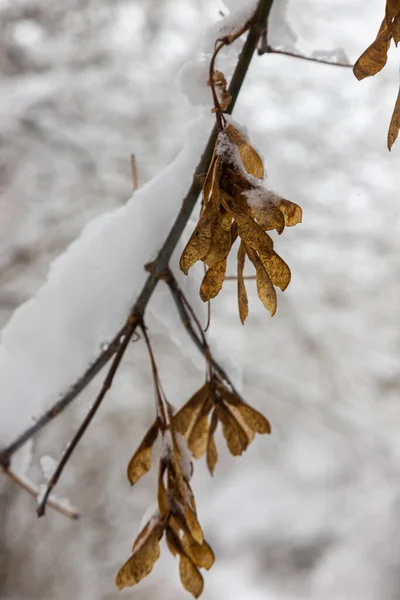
(186, 462)
(334, 56)
(261, 197)
(52, 338)
(321, 494)
(48, 466)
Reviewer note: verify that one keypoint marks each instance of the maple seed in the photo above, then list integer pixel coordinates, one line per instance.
(140, 462)
(374, 58)
(239, 421)
(141, 563)
(235, 169)
(190, 576)
(242, 294)
(394, 124)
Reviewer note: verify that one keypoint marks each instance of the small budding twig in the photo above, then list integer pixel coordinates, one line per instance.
(88, 419)
(161, 403)
(34, 492)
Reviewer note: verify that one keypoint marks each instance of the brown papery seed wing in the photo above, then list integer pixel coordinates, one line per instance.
(140, 462)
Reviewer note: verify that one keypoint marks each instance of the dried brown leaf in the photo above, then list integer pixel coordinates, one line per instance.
(162, 495)
(236, 183)
(141, 563)
(242, 294)
(265, 289)
(269, 217)
(221, 240)
(238, 416)
(253, 234)
(140, 462)
(191, 577)
(173, 542)
(253, 419)
(278, 271)
(212, 186)
(193, 524)
(392, 9)
(184, 419)
(212, 454)
(197, 441)
(213, 281)
(375, 56)
(396, 29)
(292, 212)
(234, 434)
(199, 242)
(176, 481)
(201, 554)
(251, 160)
(208, 182)
(394, 124)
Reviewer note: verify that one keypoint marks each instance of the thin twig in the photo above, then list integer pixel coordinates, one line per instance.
(135, 178)
(266, 49)
(188, 315)
(27, 486)
(166, 250)
(160, 396)
(235, 278)
(87, 420)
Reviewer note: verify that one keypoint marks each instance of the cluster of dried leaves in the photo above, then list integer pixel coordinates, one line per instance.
(236, 172)
(236, 206)
(176, 517)
(192, 429)
(375, 57)
(215, 403)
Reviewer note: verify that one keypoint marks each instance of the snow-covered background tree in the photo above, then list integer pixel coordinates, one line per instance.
(311, 511)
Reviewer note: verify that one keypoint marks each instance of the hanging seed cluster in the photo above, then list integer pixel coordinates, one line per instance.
(191, 428)
(236, 205)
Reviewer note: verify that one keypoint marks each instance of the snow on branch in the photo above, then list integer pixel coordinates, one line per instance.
(51, 339)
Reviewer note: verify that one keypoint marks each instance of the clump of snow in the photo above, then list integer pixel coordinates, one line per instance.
(261, 197)
(150, 516)
(166, 445)
(228, 151)
(239, 13)
(280, 31)
(51, 339)
(48, 466)
(41, 493)
(242, 129)
(194, 75)
(186, 462)
(193, 81)
(337, 55)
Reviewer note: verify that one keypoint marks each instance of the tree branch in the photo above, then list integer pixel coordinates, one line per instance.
(267, 49)
(28, 487)
(258, 23)
(133, 322)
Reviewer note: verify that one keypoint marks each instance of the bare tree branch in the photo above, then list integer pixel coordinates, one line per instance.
(131, 326)
(267, 49)
(161, 262)
(34, 492)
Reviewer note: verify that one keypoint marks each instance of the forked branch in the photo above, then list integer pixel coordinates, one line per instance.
(256, 26)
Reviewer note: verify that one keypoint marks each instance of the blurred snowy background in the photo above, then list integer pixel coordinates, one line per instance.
(313, 511)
